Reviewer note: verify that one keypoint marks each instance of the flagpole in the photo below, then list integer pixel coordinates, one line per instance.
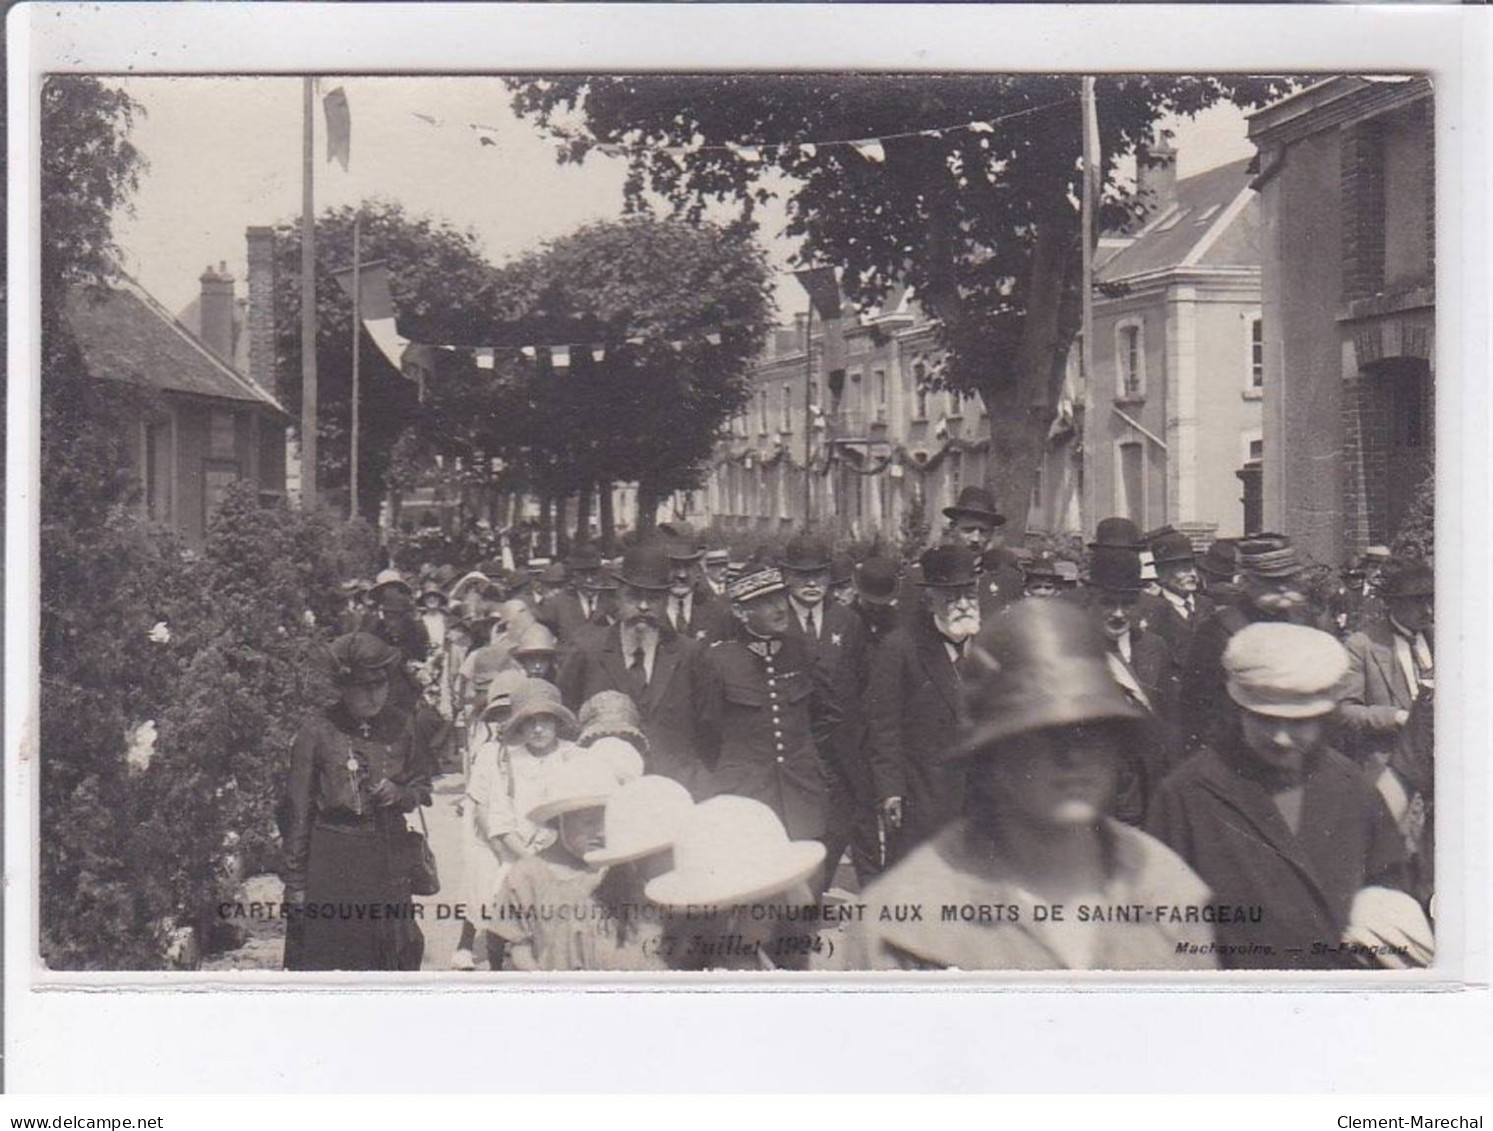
(1086, 353)
(309, 497)
(352, 504)
(808, 409)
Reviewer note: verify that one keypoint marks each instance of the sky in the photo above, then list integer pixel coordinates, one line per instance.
(225, 154)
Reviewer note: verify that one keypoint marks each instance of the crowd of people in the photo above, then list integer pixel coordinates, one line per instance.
(1158, 758)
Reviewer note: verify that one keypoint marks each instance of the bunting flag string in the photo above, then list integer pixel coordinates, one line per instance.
(872, 149)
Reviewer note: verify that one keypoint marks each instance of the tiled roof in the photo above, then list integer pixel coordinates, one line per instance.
(125, 335)
(1204, 202)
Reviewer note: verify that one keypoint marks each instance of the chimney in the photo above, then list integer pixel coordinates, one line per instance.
(1157, 182)
(217, 311)
(261, 329)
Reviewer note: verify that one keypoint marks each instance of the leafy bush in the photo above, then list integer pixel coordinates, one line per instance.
(1417, 536)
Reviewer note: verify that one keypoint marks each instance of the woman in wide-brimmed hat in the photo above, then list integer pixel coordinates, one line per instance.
(1045, 731)
(355, 770)
(612, 726)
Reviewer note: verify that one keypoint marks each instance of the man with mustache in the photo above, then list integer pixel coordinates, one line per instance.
(766, 709)
(1183, 605)
(913, 704)
(1272, 590)
(1141, 664)
(642, 656)
(974, 522)
(692, 609)
(585, 604)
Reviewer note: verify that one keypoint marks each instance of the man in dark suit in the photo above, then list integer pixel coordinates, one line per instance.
(913, 703)
(1141, 664)
(836, 637)
(975, 522)
(692, 609)
(1183, 604)
(641, 656)
(1390, 663)
(584, 604)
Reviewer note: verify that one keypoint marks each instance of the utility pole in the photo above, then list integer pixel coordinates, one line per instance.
(1091, 184)
(352, 502)
(808, 409)
(309, 498)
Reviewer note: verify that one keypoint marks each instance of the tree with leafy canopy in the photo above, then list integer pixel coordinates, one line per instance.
(438, 278)
(644, 411)
(983, 223)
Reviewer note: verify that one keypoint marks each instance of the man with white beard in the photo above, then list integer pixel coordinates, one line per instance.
(914, 705)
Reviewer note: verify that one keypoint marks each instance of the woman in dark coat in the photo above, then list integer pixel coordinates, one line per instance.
(355, 771)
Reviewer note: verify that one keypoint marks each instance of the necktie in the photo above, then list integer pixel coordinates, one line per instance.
(813, 624)
(638, 666)
(678, 618)
(1188, 601)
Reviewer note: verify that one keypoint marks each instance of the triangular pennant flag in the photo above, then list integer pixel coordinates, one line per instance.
(485, 359)
(871, 149)
(930, 133)
(528, 352)
(598, 354)
(745, 152)
(388, 340)
(560, 357)
(982, 127)
(676, 346)
(339, 127)
(809, 149)
(635, 341)
(713, 338)
(375, 302)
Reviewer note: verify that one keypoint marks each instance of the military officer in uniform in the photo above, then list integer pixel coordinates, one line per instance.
(765, 708)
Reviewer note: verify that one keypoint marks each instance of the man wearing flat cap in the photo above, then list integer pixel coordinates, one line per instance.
(913, 702)
(642, 656)
(766, 711)
(1285, 830)
(1273, 591)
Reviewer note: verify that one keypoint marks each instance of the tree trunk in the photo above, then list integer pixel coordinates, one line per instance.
(546, 525)
(562, 531)
(1022, 410)
(607, 517)
(583, 515)
(648, 500)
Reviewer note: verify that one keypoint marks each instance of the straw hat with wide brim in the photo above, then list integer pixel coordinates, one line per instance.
(538, 697)
(643, 817)
(391, 579)
(733, 850)
(582, 783)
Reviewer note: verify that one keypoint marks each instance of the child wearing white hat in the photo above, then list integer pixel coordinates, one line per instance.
(547, 913)
(735, 878)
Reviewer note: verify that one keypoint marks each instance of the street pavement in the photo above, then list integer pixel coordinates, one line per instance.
(445, 833)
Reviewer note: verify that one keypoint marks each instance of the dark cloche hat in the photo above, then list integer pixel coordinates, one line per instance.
(1041, 664)
(876, 581)
(645, 566)
(1219, 560)
(948, 566)
(807, 552)
(975, 502)
(361, 659)
(1120, 532)
(583, 557)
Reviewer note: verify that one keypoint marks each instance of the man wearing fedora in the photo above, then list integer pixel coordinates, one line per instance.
(1045, 736)
(913, 702)
(974, 522)
(584, 603)
(642, 656)
(766, 711)
(1142, 666)
(693, 610)
(1272, 590)
(1183, 604)
(1388, 707)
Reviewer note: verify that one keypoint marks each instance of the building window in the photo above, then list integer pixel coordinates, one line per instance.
(880, 396)
(762, 411)
(1130, 483)
(1256, 450)
(956, 476)
(956, 403)
(1130, 359)
(220, 436)
(787, 408)
(920, 390)
(1036, 511)
(1254, 371)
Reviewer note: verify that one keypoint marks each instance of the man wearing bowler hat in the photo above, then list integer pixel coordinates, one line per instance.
(643, 657)
(584, 604)
(1183, 604)
(692, 609)
(913, 704)
(837, 639)
(975, 522)
(1272, 589)
(766, 709)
